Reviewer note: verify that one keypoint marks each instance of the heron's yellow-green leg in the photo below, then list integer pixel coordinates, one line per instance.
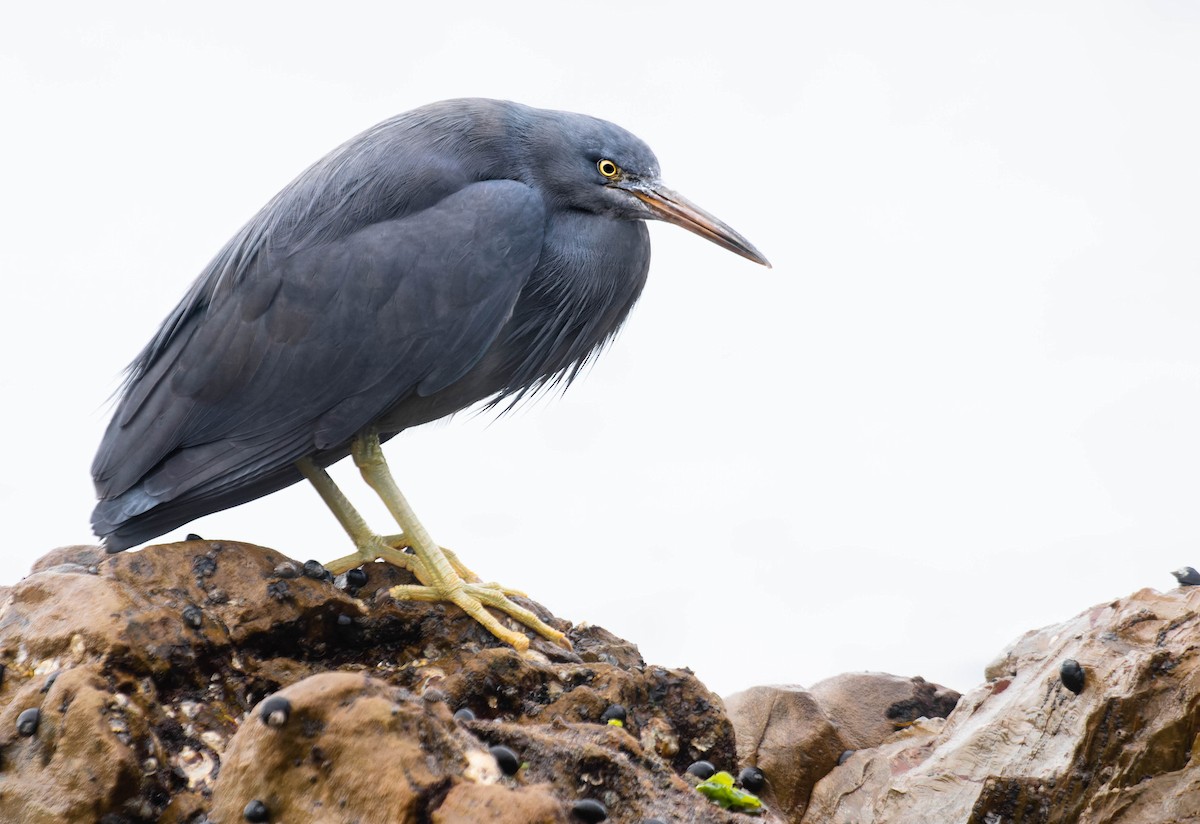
(370, 547)
(435, 571)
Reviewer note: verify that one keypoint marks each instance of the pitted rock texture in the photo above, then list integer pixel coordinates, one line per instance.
(1022, 748)
(147, 666)
(355, 749)
(79, 764)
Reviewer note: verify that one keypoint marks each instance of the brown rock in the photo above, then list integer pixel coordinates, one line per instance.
(606, 764)
(251, 600)
(867, 707)
(500, 683)
(80, 555)
(158, 658)
(1171, 797)
(354, 748)
(63, 615)
(474, 803)
(783, 731)
(133, 609)
(80, 764)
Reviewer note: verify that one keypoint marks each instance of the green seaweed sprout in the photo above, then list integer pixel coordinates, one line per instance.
(719, 789)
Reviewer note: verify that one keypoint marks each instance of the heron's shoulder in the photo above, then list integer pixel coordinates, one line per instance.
(399, 167)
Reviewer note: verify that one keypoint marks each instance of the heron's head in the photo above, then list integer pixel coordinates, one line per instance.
(592, 165)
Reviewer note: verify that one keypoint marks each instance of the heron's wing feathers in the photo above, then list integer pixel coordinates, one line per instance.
(308, 347)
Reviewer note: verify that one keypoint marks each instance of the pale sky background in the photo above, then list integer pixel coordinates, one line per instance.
(962, 405)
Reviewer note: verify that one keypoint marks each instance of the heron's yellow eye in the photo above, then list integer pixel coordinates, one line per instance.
(608, 168)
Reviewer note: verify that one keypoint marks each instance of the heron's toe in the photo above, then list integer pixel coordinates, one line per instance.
(474, 598)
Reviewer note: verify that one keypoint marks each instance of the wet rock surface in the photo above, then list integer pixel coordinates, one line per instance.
(149, 671)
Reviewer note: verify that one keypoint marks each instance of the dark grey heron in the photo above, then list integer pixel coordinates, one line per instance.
(466, 251)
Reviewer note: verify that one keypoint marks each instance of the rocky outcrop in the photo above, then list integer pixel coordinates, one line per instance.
(1024, 748)
(219, 682)
(796, 736)
(135, 689)
(784, 732)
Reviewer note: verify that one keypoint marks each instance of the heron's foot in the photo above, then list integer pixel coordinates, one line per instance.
(402, 543)
(472, 598)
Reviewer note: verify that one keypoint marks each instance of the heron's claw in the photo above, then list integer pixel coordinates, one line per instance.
(472, 598)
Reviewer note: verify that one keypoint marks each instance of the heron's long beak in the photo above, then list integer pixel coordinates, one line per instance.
(675, 208)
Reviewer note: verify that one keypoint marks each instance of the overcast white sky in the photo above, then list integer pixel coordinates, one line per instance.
(963, 404)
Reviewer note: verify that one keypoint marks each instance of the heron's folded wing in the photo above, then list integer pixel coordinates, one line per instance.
(356, 324)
